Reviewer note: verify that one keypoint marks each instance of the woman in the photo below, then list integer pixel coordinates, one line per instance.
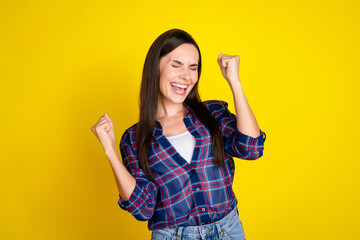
(177, 169)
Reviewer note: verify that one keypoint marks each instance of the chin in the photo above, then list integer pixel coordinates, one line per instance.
(178, 100)
(175, 98)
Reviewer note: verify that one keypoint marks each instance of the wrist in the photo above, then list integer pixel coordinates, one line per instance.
(110, 150)
(235, 84)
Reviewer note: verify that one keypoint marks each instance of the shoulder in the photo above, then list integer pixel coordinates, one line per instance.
(216, 107)
(129, 135)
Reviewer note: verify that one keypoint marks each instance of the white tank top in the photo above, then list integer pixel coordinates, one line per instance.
(184, 143)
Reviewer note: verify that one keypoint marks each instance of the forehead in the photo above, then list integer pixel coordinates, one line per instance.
(184, 52)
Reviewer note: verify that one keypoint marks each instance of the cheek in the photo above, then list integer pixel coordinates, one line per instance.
(162, 84)
(195, 77)
(164, 77)
(169, 73)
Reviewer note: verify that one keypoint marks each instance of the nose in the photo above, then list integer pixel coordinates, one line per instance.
(185, 75)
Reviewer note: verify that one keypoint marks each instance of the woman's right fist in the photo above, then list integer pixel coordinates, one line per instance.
(104, 131)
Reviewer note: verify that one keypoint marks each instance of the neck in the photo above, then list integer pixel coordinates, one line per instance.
(167, 109)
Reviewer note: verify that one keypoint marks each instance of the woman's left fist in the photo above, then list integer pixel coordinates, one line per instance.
(229, 66)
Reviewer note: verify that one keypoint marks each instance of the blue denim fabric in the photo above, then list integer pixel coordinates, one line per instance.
(228, 228)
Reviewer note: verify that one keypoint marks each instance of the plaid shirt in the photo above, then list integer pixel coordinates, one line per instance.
(187, 194)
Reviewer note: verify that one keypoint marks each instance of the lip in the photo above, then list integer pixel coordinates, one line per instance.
(178, 90)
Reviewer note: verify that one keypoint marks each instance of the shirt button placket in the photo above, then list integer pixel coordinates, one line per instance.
(199, 198)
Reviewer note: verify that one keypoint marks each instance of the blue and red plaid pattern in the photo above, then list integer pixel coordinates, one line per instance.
(187, 194)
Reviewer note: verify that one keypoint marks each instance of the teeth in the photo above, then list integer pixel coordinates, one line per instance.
(179, 86)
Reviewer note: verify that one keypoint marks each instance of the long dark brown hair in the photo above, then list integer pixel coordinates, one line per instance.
(149, 92)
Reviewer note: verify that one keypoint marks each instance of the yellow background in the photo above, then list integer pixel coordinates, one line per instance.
(65, 63)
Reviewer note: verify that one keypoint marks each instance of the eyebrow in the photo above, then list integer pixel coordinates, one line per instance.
(192, 65)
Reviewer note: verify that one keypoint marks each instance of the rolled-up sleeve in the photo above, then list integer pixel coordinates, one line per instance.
(142, 200)
(236, 143)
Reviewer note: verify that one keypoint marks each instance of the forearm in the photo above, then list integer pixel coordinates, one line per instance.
(124, 180)
(246, 121)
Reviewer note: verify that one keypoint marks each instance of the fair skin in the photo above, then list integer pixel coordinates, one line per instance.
(104, 131)
(178, 75)
(246, 121)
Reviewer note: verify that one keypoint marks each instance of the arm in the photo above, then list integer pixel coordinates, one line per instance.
(137, 194)
(124, 180)
(241, 133)
(246, 121)
(142, 201)
(104, 131)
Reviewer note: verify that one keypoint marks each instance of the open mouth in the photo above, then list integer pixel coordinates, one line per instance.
(179, 88)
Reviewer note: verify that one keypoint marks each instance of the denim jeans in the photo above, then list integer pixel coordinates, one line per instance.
(228, 228)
